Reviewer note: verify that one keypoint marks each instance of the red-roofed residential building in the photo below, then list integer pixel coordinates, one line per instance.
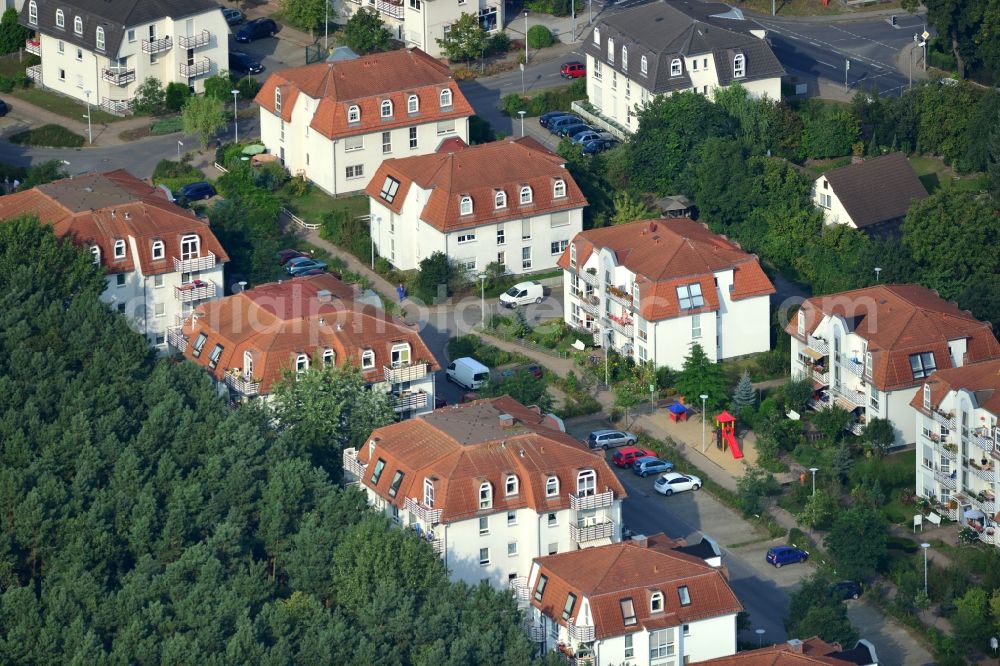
(335, 122)
(492, 484)
(511, 202)
(250, 340)
(809, 652)
(869, 350)
(641, 602)
(160, 259)
(957, 411)
(656, 287)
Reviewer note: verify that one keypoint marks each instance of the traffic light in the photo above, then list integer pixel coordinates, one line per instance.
(893, 20)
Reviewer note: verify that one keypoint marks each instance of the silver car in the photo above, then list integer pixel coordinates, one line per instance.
(609, 439)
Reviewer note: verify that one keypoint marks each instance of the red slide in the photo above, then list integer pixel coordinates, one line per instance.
(734, 446)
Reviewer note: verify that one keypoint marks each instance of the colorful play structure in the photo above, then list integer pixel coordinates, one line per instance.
(726, 434)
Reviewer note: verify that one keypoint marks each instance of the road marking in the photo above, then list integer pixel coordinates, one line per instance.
(827, 64)
(816, 45)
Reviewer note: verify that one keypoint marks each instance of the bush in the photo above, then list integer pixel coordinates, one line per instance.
(149, 97)
(539, 37)
(902, 544)
(800, 539)
(352, 234)
(52, 136)
(498, 43)
(172, 169)
(248, 87)
(557, 99)
(175, 95)
(6, 84)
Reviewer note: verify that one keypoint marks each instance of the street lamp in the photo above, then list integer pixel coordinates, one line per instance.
(521, 113)
(703, 399)
(878, 272)
(180, 144)
(760, 636)
(814, 470)
(525, 38)
(236, 120)
(378, 221)
(90, 132)
(607, 343)
(482, 297)
(925, 546)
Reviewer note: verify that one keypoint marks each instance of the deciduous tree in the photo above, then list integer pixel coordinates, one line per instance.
(857, 541)
(306, 14)
(203, 116)
(701, 376)
(366, 33)
(466, 39)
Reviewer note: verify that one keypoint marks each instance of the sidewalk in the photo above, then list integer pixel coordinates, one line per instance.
(105, 134)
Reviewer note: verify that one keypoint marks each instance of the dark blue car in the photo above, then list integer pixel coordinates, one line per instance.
(559, 123)
(782, 555)
(547, 118)
(257, 29)
(199, 190)
(598, 145)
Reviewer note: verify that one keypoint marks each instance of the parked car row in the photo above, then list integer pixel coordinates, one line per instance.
(299, 264)
(645, 462)
(562, 123)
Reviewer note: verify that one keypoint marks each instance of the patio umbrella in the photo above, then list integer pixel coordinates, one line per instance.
(254, 149)
(975, 514)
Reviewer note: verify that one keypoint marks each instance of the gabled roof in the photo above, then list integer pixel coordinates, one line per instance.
(876, 190)
(608, 575)
(460, 447)
(981, 379)
(897, 321)
(278, 321)
(365, 82)
(670, 253)
(809, 651)
(101, 208)
(480, 172)
(115, 17)
(662, 31)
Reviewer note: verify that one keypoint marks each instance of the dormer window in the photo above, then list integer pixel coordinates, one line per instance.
(500, 199)
(568, 607)
(656, 602)
(78, 25)
(329, 357)
(389, 189)
(385, 109)
(248, 363)
(428, 493)
(927, 396)
(586, 483)
(525, 195)
(624, 57)
(412, 104)
(159, 250)
(277, 100)
(510, 487)
(801, 324)
(611, 50)
(543, 580)
(628, 611)
(301, 363)
(190, 246)
(485, 495)
(552, 486)
(397, 480)
(367, 359)
(213, 358)
(684, 595)
(33, 12)
(400, 355)
(99, 39)
(559, 188)
(446, 98)
(119, 249)
(354, 114)
(922, 365)
(597, 36)
(60, 18)
(465, 206)
(199, 344)
(675, 67)
(643, 65)
(96, 251)
(739, 66)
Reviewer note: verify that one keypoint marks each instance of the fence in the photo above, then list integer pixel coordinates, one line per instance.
(521, 342)
(220, 167)
(298, 220)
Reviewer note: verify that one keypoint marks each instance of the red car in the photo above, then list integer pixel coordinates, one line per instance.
(284, 256)
(573, 70)
(625, 456)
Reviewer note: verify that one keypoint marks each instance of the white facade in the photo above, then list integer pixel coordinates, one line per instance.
(526, 245)
(827, 201)
(185, 50)
(421, 23)
(600, 297)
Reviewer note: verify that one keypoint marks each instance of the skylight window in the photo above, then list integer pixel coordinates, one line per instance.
(690, 296)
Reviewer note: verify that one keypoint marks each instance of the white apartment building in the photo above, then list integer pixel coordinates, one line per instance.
(491, 484)
(654, 288)
(511, 202)
(336, 122)
(161, 261)
(956, 413)
(643, 602)
(662, 48)
(870, 350)
(102, 51)
(420, 23)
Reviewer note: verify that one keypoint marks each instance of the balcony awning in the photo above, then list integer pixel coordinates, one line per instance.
(812, 353)
(844, 403)
(975, 514)
(604, 541)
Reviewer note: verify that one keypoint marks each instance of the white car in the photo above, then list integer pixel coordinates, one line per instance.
(673, 482)
(522, 293)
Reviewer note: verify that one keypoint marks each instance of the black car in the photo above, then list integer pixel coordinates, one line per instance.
(244, 63)
(598, 145)
(573, 130)
(3, 108)
(199, 190)
(257, 29)
(846, 589)
(547, 118)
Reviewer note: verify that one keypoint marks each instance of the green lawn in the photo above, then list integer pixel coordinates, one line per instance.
(64, 106)
(934, 173)
(312, 205)
(11, 67)
(811, 7)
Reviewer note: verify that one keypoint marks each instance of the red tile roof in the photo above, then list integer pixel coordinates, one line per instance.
(980, 379)
(480, 172)
(606, 575)
(278, 321)
(669, 253)
(900, 320)
(365, 82)
(462, 446)
(813, 651)
(101, 208)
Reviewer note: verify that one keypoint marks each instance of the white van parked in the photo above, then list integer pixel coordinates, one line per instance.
(522, 293)
(467, 373)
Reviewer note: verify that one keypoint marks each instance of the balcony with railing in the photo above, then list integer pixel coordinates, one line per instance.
(118, 76)
(194, 291)
(855, 428)
(519, 588)
(947, 420)
(243, 384)
(585, 531)
(984, 472)
(984, 502)
(176, 339)
(203, 38)
(619, 295)
(419, 510)
(157, 45)
(534, 629)
(580, 633)
(819, 376)
(853, 365)
(116, 107)
(352, 465)
(593, 501)
(35, 74)
(820, 345)
(856, 398)
(946, 479)
(623, 325)
(982, 439)
(409, 400)
(390, 8)
(199, 67)
(194, 264)
(947, 451)
(588, 278)
(404, 372)
(589, 303)
(33, 45)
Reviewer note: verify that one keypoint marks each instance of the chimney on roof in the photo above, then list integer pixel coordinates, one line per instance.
(324, 295)
(506, 421)
(652, 227)
(640, 540)
(112, 212)
(127, 215)
(795, 645)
